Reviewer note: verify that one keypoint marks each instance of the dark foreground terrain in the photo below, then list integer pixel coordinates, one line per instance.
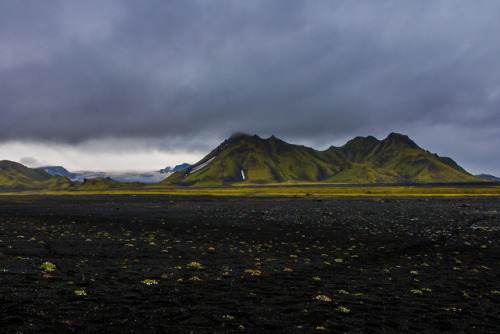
(248, 264)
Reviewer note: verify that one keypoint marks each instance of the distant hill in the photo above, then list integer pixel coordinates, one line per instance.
(175, 169)
(100, 183)
(244, 159)
(58, 170)
(488, 177)
(123, 176)
(118, 176)
(14, 177)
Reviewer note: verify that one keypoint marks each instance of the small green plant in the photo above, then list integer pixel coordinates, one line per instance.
(453, 309)
(323, 298)
(80, 292)
(149, 282)
(47, 266)
(342, 309)
(194, 265)
(253, 272)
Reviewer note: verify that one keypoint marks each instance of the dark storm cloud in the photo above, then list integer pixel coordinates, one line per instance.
(317, 70)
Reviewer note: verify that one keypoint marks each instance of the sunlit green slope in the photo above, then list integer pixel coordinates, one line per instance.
(253, 159)
(14, 176)
(394, 159)
(244, 159)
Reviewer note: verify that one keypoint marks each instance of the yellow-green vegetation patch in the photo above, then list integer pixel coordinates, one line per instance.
(288, 190)
(47, 266)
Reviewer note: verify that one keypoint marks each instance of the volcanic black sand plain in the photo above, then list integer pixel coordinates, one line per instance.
(174, 264)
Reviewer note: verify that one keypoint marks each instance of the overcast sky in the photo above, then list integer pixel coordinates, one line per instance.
(146, 84)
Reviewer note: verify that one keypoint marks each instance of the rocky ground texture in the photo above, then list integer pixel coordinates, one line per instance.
(151, 263)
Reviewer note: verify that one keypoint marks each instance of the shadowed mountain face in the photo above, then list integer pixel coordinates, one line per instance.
(14, 176)
(245, 159)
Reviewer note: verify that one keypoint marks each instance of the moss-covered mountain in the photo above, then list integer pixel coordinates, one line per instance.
(14, 177)
(244, 159)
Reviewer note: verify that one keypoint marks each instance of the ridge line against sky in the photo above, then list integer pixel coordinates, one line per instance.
(110, 85)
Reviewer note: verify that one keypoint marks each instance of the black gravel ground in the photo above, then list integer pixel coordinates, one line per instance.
(248, 264)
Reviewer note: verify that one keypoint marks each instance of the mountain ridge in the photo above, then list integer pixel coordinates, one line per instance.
(488, 177)
(250, 159)
(58, 170)
(244, 159)
(177, 168)
(15, 176)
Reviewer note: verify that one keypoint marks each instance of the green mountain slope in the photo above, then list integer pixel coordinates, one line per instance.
(244, 159)
(14, 176)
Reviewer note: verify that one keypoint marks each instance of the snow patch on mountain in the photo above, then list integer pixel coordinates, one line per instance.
(201, 166)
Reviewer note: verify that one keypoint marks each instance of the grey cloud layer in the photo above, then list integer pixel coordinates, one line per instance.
(75, 71)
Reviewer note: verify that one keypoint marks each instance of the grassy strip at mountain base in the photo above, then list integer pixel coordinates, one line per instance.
(292, 190)
(321, 190)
